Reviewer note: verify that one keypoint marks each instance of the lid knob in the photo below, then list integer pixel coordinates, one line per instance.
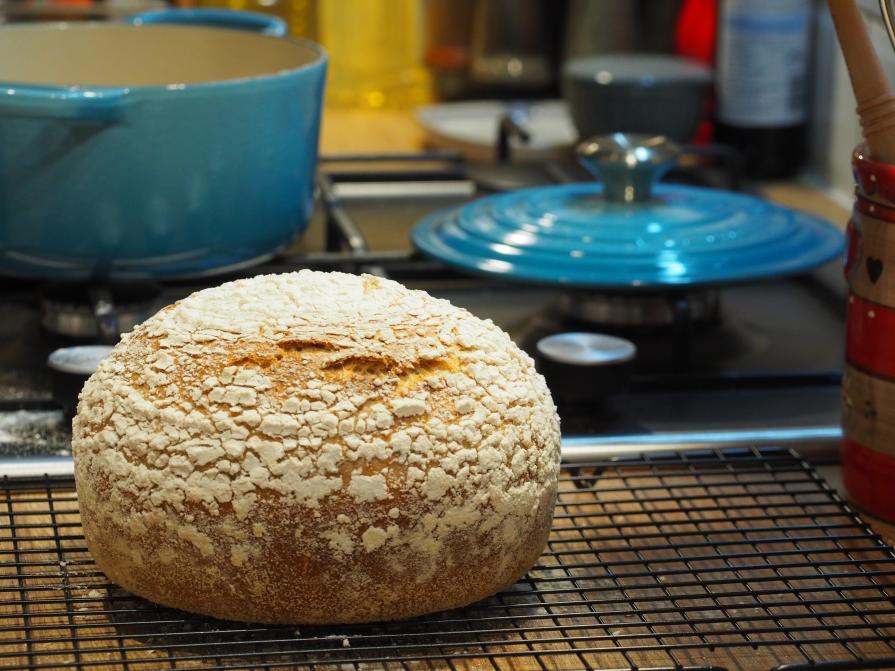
(627, 163)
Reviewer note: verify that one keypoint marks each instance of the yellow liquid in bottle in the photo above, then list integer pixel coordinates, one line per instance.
(376, 53)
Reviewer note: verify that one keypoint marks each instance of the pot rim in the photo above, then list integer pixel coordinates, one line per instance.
(320, 60)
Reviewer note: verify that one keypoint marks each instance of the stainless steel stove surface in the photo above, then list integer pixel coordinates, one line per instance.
(703, 559)
(766, 369)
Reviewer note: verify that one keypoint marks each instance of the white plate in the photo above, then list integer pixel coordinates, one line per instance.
(471, 127)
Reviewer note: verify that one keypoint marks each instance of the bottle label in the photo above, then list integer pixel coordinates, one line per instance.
(763, 62)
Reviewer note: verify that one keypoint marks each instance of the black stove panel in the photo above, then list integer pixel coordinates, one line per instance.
(771, 359)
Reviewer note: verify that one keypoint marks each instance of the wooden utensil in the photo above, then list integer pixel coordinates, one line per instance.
(876, 102)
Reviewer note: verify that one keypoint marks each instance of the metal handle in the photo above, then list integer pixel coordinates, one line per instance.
(628, 164)
(887, 10)
(510, 126)
(219, 18)
(819, 444)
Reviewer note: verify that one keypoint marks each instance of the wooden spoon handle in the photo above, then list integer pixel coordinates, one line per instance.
(867, 77)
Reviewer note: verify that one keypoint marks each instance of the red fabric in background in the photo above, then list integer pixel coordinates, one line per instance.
(694, 37)
(694, 34)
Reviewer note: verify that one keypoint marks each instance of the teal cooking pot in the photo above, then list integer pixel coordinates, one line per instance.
(155, 148)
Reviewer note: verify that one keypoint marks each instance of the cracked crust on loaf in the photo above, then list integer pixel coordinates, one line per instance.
(315, 448)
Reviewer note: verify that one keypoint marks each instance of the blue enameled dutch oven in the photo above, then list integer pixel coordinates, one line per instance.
(154, 148)
(214, 18)
(627, 233)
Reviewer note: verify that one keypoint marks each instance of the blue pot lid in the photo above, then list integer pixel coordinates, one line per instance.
(572, 235)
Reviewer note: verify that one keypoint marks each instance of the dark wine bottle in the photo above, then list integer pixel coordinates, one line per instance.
(761, 79)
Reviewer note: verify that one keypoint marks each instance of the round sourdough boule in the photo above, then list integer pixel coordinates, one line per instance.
(315, 448)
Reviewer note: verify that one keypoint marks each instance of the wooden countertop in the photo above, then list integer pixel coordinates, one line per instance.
(361, 131)
(395, 131)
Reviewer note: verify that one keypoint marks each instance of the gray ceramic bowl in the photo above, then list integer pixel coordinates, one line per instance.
(636, 93)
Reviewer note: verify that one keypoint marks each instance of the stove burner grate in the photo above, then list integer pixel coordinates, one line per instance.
(97, 311)
(633, 310)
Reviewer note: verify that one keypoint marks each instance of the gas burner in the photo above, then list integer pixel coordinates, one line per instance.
(97, 311)
(70, 367)
(585, 367)
(696, 308)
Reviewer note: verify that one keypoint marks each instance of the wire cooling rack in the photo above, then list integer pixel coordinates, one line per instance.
(731, 559)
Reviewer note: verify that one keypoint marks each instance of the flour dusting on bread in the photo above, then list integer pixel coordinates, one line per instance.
(322, 414)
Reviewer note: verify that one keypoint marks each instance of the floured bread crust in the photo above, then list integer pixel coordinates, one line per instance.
(315, 448)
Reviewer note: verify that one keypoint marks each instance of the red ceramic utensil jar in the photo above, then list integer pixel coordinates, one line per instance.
(868, 409)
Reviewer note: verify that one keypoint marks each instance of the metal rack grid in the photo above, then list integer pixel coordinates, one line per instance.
(724, 559)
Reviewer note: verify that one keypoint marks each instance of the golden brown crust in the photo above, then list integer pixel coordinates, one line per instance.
(294, 586)
(315, 448)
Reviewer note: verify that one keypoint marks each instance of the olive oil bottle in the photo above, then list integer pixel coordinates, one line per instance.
(375, 49)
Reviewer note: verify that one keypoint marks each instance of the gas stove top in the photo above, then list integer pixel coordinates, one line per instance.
(752, 363)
